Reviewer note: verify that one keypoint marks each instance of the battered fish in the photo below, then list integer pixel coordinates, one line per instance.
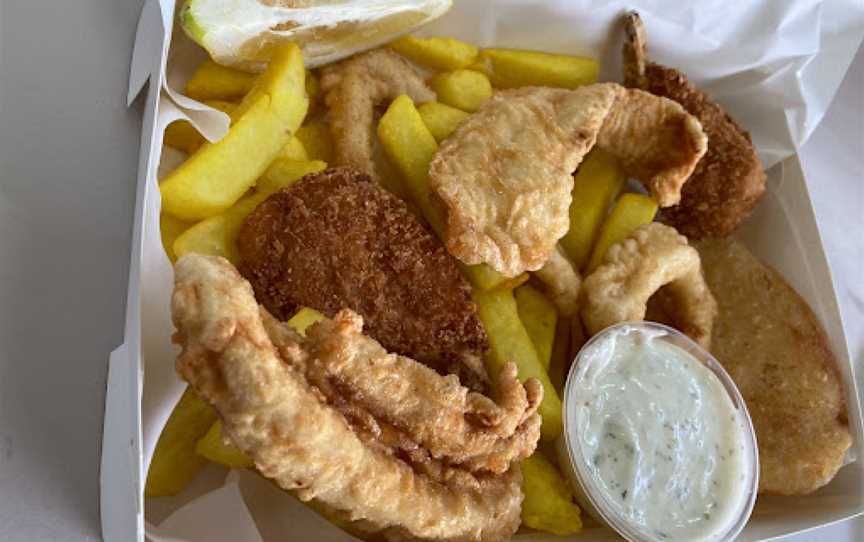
(297, 434)
(353, 88)
(772, 345)
(336, 240)
(505, 175)
(729, 180)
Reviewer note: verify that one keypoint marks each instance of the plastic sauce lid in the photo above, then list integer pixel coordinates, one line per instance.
(657, 441)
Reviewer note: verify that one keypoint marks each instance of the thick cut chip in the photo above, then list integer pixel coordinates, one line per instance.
(170, 229)
(315, 137)
(216, 235)
(512, 68)
(214, 447)
(214, 82)
(548, 504)
(175, 462)
(218, 174)
(595, 186)
(462, 89)
(510, 342)
(630, 212)
(436, 53)
(539, 317)
(441, 119)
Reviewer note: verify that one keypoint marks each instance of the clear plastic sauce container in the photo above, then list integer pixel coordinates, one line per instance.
(657, 439)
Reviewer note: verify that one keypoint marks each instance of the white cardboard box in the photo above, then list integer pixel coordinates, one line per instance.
(783, 232)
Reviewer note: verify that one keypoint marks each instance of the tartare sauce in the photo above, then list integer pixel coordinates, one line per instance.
(660, 437)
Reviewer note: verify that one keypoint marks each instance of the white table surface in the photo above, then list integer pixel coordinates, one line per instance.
(68, 155)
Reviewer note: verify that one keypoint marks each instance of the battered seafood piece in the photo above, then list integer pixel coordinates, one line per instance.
(775, 350)
(562, 282)
(336, 240)
(297, 434)
(729, 180)
(353, 88)
(505, 175)
(654, 257)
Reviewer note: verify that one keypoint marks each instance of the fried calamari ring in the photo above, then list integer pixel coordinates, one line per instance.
(655, 256)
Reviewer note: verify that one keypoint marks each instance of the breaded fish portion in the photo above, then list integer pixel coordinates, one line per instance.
(776, 351)
(729, 180)
(336, 240)
(298, 435)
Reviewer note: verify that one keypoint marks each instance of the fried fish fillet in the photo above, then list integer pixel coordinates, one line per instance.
(729, 180)
(353, 88)
(505, 175)
(298, 435)
(775, 350)
(336, 240)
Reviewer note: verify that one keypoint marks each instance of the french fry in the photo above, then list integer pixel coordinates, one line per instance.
(304, 318)
(548, 504)
(213, 447)
(181, 135)
(316, 139)
(561, 354)
(175, 462)
(511, 68)
(539, 317)
(410, 147)
(509, 341)
(441, 119)
(595, 187)
(216, 235)
(462, 89)
(283, 173)
(436, 53)
(170, 229)
(214, 82)
(293, 150)
(630, 212)
(218, 174)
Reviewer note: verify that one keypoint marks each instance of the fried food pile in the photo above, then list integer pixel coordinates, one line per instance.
(380, 439)
(411, 406)
(337, 240)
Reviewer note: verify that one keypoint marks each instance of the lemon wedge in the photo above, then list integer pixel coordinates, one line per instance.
(244, 33)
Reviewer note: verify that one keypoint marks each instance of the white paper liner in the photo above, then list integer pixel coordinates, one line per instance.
(774, 65)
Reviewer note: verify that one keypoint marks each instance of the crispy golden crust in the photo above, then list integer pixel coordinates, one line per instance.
(336, 240)
(353, 88)
(777, 353)
(654, 257)
(296, 437)
(729, 180)
(505, 175)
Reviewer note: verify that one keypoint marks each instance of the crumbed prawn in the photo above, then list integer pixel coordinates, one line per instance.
(729, 180)
(655, 256)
